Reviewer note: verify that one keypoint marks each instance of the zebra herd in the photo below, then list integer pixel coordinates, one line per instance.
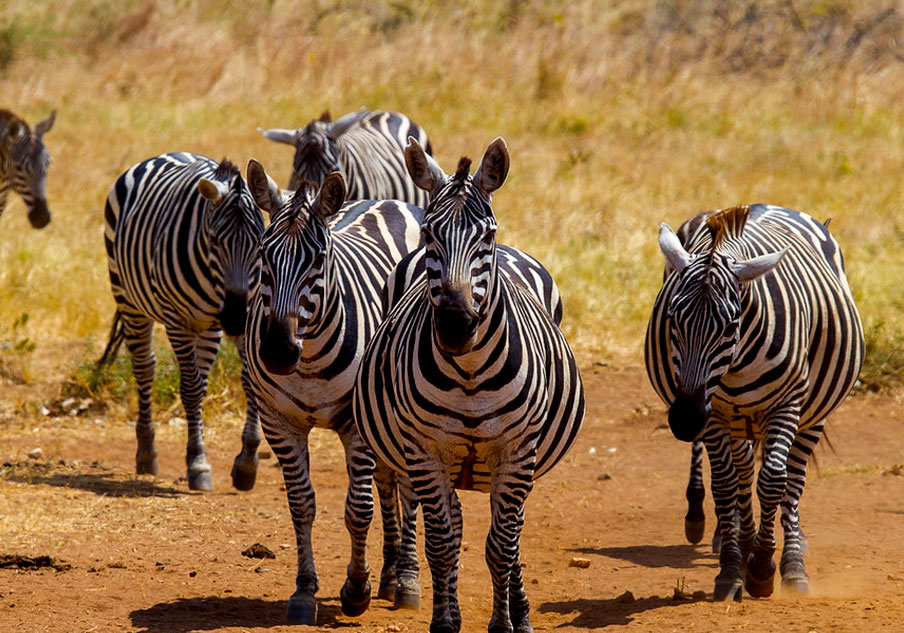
(376, 302)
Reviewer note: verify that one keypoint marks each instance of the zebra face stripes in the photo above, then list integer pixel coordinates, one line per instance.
(24, 161)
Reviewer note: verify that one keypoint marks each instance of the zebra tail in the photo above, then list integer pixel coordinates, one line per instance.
(117, 334)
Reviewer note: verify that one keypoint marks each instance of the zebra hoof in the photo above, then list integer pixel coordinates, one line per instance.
(355, 600)
(693, 530)
(147, 466)
(407, 598)
(796, 584)
(243, 475)
(760, 577)
(200, 481)
(728, 589)
(387, 590)
(302, 609)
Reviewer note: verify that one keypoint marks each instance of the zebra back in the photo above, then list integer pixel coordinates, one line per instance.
(24, 161)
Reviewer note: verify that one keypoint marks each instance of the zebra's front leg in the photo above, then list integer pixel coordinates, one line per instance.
(511, 484)
(386, 480)
(743, 459)
(195, 354)
(794, 574)
(139, 335)
(359, 511)
(244, 467)
(695, 519)
(408, 594)
(770, 490)
(729, 582)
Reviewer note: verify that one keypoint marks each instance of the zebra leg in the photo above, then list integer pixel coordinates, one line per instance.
(771, 482)
(244, 467)
(290, 445)
(695, 519)
(195, 354)
(452, 585)
(743, 458)
(408, 593)
(510, 485)
(386, 481)
(725, 496)
(138, 335)
(359, 510)
(434, 492)
(794, 574)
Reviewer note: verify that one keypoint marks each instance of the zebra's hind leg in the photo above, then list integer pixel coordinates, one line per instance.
(408, 594)
(695, 519)
(138, 335)
(729, 582)
(359, 511)
(195, 354)
(794, 574)
(244, 467)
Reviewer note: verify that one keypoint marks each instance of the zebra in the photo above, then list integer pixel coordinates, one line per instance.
(24, 161)
(469, 384)
(754, 336)
(366, 147)
(181, 237)
(324, 264)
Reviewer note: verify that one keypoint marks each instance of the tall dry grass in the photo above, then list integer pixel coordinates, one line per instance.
(619, 115)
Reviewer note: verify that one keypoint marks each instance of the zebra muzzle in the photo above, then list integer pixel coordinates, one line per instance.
(688, 414)
(455, 323)
(234, 312)
(39, 214)
(278, 349)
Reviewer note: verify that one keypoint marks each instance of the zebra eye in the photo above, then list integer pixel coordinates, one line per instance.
(427, 235)
(489, 236)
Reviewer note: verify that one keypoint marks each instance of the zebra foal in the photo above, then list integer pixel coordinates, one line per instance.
(754, 336)
(324, 264)
(366, 147)
(469, 384)
(23, 164)
(181, 238)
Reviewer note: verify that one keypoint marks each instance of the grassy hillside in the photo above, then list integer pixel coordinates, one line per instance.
(619, 115)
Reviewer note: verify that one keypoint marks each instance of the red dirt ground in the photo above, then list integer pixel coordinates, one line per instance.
(148, 556)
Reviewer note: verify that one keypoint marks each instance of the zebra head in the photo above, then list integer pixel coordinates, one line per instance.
(459, 233)
(233, 226)
(704, 320)
(25, 161)
(316, 149)
(294, 252)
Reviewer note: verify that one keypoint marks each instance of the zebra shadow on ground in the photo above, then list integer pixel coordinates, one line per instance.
(677, 556)
(106, 484)
(598, 613)
(211, 613)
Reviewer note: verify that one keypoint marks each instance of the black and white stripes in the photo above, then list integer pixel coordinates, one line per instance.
(182, 236)
(469, 383)
(24, 161)
(754, 336)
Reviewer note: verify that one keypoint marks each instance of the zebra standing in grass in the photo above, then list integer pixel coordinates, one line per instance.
(367, 148)
(754, 336)
(315, 310)
(469, 384)
(23, 164)
(181, 235)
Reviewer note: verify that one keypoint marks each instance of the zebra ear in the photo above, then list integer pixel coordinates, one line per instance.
(752, 268)
(331, 196)
(493, 168)
(263, 189)
(44, 126)
(280, 135)
(671, 247)
(344, 123)
(212, 189)
(425, 172)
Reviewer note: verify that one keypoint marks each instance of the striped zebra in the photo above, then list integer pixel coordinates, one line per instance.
(469, 383)
(23, 165)
(181, 236)
(367, 148)
(324, 264)
(754, 336)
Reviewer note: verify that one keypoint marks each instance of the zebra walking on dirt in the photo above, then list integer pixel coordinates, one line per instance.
(754, 336)
(24, 161)
(367, 148)
(469, 384)
(181, 236)
(324, 265)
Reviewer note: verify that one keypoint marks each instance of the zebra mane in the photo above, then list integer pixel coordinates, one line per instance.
(727, 224)
(226, 170)
(464, 169)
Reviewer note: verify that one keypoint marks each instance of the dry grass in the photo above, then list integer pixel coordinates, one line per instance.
(618, 116)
